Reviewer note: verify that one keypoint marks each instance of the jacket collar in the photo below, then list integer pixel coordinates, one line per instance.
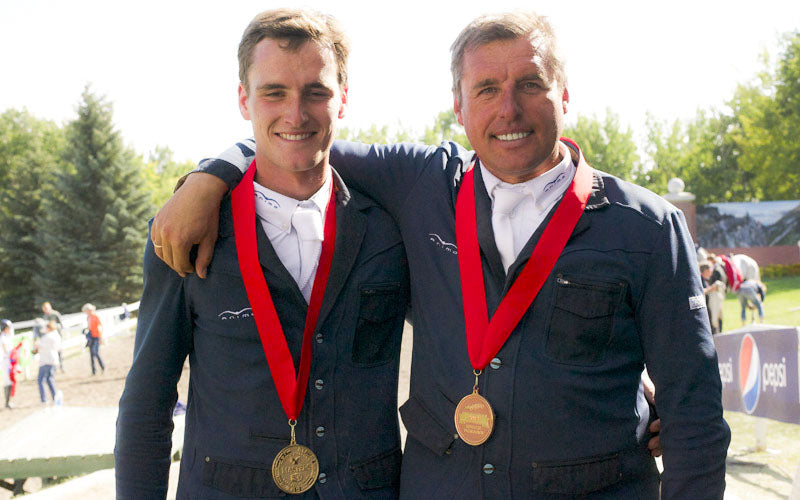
(350, 229)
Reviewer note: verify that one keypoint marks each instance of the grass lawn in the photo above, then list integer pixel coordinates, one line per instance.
(777, 465)
(781, 307)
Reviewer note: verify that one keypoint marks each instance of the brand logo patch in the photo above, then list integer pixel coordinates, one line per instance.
(268, 201)
(749, 373)
(244, 313)
(439, 242)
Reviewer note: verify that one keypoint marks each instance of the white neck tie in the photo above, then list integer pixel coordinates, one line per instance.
(307, 223)
(504, 209)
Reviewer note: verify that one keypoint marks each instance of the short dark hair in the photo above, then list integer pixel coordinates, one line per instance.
(295, 27)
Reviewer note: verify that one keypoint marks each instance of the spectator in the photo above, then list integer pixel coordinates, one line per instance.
(48, 348)
(714, 290)
(96, 333)
(49, 314)
(6, 344)
(751, 295)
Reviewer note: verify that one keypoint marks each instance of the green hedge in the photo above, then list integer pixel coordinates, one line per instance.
(779, 270)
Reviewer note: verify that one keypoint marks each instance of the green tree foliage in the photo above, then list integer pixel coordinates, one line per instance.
(700, 151)
(96, 217)
(30, 151)
(768, 114)
(445, 128)
(161, 173)
(375, 135)
(606, 145)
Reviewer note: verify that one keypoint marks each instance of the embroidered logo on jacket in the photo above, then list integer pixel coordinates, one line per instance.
(244, 313)
(268, 201)
(439, 242)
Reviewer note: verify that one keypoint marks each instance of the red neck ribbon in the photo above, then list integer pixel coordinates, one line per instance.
(484, 338)
(291, 388)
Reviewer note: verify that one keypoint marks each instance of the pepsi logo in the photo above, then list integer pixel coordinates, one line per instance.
(749, 373)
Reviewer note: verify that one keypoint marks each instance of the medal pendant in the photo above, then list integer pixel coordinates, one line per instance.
(474, 419)
(295, 469)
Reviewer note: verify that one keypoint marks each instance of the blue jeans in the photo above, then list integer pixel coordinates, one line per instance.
(46, 374)
(94, 351)
(746, 295)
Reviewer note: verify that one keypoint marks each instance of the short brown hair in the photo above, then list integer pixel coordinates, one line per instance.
(295, 27)
(508, 26)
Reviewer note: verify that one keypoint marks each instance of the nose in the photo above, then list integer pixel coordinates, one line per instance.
(296, 114)
(509, 105)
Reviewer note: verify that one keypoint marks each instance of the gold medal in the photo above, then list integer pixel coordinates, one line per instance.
(295, 468)
(474, 417)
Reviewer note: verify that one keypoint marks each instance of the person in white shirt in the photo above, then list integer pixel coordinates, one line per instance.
(6, 334)
(48, 347)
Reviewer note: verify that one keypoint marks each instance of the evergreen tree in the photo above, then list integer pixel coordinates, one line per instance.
(30, 151)
(96, 218)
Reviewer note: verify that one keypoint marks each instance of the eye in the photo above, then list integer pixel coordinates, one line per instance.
(487, 91)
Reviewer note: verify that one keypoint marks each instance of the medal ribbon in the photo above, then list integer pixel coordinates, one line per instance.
(485, 338)
(291, 388)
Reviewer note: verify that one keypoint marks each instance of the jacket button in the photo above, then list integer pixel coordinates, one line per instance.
(319, 384)
(495, 363)
(319, 338)
(320, 431)
(488, 469)
(323, 478)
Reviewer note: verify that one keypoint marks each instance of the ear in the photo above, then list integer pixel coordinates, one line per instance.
(565, 99)
(343, 105)
(243, 102)
(457, 109)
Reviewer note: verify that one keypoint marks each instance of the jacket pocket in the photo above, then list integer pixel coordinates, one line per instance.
(240, 478)
(424, 427)
(576, 477)
(379, 472)
(380, 322)
(582, 319)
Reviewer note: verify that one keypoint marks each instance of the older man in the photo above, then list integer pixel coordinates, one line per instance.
(302, 265)
(540, 288)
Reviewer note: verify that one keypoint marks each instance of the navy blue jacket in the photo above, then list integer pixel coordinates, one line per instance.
(235, 424)
(570, 415)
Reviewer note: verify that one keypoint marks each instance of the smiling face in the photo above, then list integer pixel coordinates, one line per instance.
(293, 100)
(511, 108)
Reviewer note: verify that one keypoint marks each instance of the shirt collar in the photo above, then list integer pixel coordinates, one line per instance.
(277, 209)
(544, 188)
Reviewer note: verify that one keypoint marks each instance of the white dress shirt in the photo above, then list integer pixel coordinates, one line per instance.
(295, 229)
(532, 200)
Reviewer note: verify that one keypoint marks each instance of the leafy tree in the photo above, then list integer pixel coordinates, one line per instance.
(30, 151)
(96, 217)
(702, 152)
(375, 135)
(445, 128)
(768, 117)
(162, 172)
(606, 145)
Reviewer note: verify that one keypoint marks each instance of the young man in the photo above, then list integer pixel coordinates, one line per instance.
(302, 265)
(585, 278)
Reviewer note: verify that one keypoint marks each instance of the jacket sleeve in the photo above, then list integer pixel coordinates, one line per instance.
(144, 424)
(386, 173)
(682, 361)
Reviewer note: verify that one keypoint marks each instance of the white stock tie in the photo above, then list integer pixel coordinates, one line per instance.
(504, 209)
(307, 223)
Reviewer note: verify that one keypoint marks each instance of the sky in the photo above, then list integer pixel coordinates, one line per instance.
(170, 69)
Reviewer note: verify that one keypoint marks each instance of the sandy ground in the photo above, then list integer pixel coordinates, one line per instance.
(748, 478)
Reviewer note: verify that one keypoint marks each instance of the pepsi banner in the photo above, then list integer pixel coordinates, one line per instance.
(758, 369)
